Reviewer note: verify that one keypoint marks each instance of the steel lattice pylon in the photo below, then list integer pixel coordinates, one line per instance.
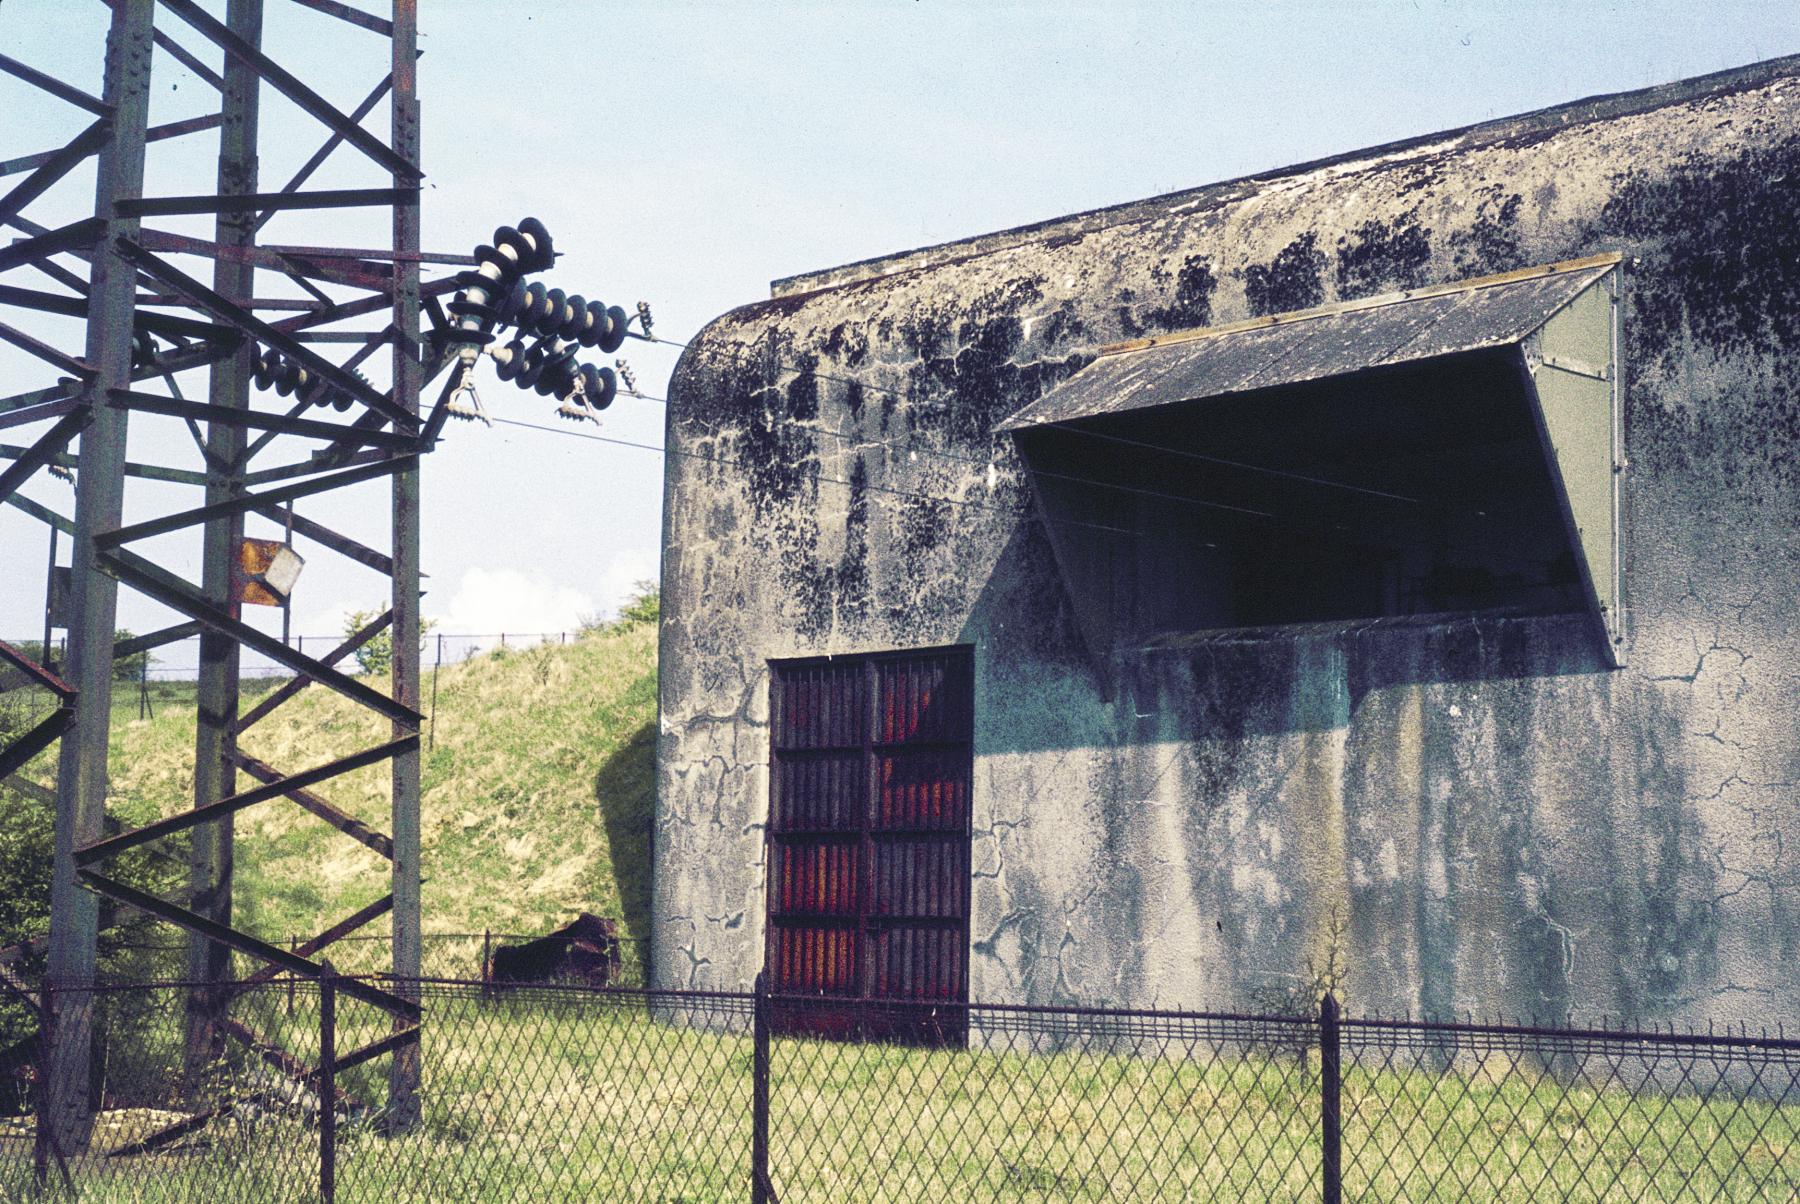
(146, 320)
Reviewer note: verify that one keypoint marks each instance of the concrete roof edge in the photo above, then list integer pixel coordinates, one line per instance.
(1592, 108)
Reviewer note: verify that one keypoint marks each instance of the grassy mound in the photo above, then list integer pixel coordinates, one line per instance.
(538, 793)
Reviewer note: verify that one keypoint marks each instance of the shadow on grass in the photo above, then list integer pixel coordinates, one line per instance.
(625, 790)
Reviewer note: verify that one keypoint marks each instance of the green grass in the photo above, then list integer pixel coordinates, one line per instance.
(603, 1099)
(538, 795)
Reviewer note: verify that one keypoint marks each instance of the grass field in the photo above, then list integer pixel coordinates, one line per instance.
(547, 1096)
(538, 791)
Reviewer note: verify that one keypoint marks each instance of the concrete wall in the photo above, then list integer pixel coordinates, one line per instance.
(1473, 815)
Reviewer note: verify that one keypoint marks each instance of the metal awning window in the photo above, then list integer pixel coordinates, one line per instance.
(1441, 450)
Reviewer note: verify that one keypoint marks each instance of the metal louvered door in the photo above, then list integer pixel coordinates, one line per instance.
(869, 842)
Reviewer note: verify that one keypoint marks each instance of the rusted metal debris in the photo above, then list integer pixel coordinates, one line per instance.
(585, 951)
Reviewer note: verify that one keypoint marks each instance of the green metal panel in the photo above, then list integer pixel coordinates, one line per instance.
(1573, 361)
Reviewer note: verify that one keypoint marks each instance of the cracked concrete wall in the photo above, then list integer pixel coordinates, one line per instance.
(1473, 815)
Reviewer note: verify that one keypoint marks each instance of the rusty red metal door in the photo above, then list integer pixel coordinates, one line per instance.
(868, 841)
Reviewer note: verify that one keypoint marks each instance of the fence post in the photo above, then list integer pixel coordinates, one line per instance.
(760, 1191)
(328, 1084)
(1330, 1099)
(41, 1136)
(487, 961)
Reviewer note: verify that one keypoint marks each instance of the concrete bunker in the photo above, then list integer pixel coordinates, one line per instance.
(1363, 736)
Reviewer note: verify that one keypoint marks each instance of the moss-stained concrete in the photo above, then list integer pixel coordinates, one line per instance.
(1472, 814)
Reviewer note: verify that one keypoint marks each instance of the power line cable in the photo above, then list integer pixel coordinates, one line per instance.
(1137, 533)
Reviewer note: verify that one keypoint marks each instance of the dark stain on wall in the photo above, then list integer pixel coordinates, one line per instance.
(848, 344)
(1490, 244)
(1062, 324)
(1294, 279)
(1381, 257)
(1721, 249)
(1194, 286)
(803, 389)
(1716, 266)
(853, 570)
(958, 390)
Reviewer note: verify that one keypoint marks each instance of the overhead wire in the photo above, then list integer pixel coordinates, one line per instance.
(1134, 532)
(1161, 495)
(736, 463)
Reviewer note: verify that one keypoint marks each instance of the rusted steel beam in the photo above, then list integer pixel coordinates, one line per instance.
(405, 1072)
(277, 1058)
(246, 944)
(54, 86)
(263, 257)
(35, 671)
(42, 795)
(178, 595)
(189, 59)
(42, 513)
(329, 198)
(315, 463)
(44, 449)
(199, 1120)
(156, 133)
(44, 351)
(52, 242)
(392, 1043)
(332, 142)
(340, 336)
(310, 428)
(225, 311)
(59, 164)
(314, 291)
(179, 362)
(280, 303)
(311, 803)
(37, 413)
(148, 472)
(282, 81)
(354, 16)
(18, 754)
(367, 632)
(251, 501)
(58, 272)
(154, 639)
(90, 854)
(329, 937)
(343, 545)
(211, 849)
(361, 306)
(152, 1142)
(375, 254)
(75, 307)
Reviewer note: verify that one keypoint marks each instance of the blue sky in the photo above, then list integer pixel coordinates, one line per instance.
(686, 154)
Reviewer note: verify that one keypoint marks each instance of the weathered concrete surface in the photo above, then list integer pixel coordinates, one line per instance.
(1468, 816)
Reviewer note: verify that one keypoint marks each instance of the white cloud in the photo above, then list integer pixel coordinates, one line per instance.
(489, 602)
(492, 602)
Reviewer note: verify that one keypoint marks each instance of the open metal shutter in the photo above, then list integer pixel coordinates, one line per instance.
(1561, 319)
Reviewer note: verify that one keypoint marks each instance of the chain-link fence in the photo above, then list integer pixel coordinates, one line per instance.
(566, 1093)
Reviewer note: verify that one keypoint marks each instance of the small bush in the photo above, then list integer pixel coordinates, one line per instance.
(377, 655)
